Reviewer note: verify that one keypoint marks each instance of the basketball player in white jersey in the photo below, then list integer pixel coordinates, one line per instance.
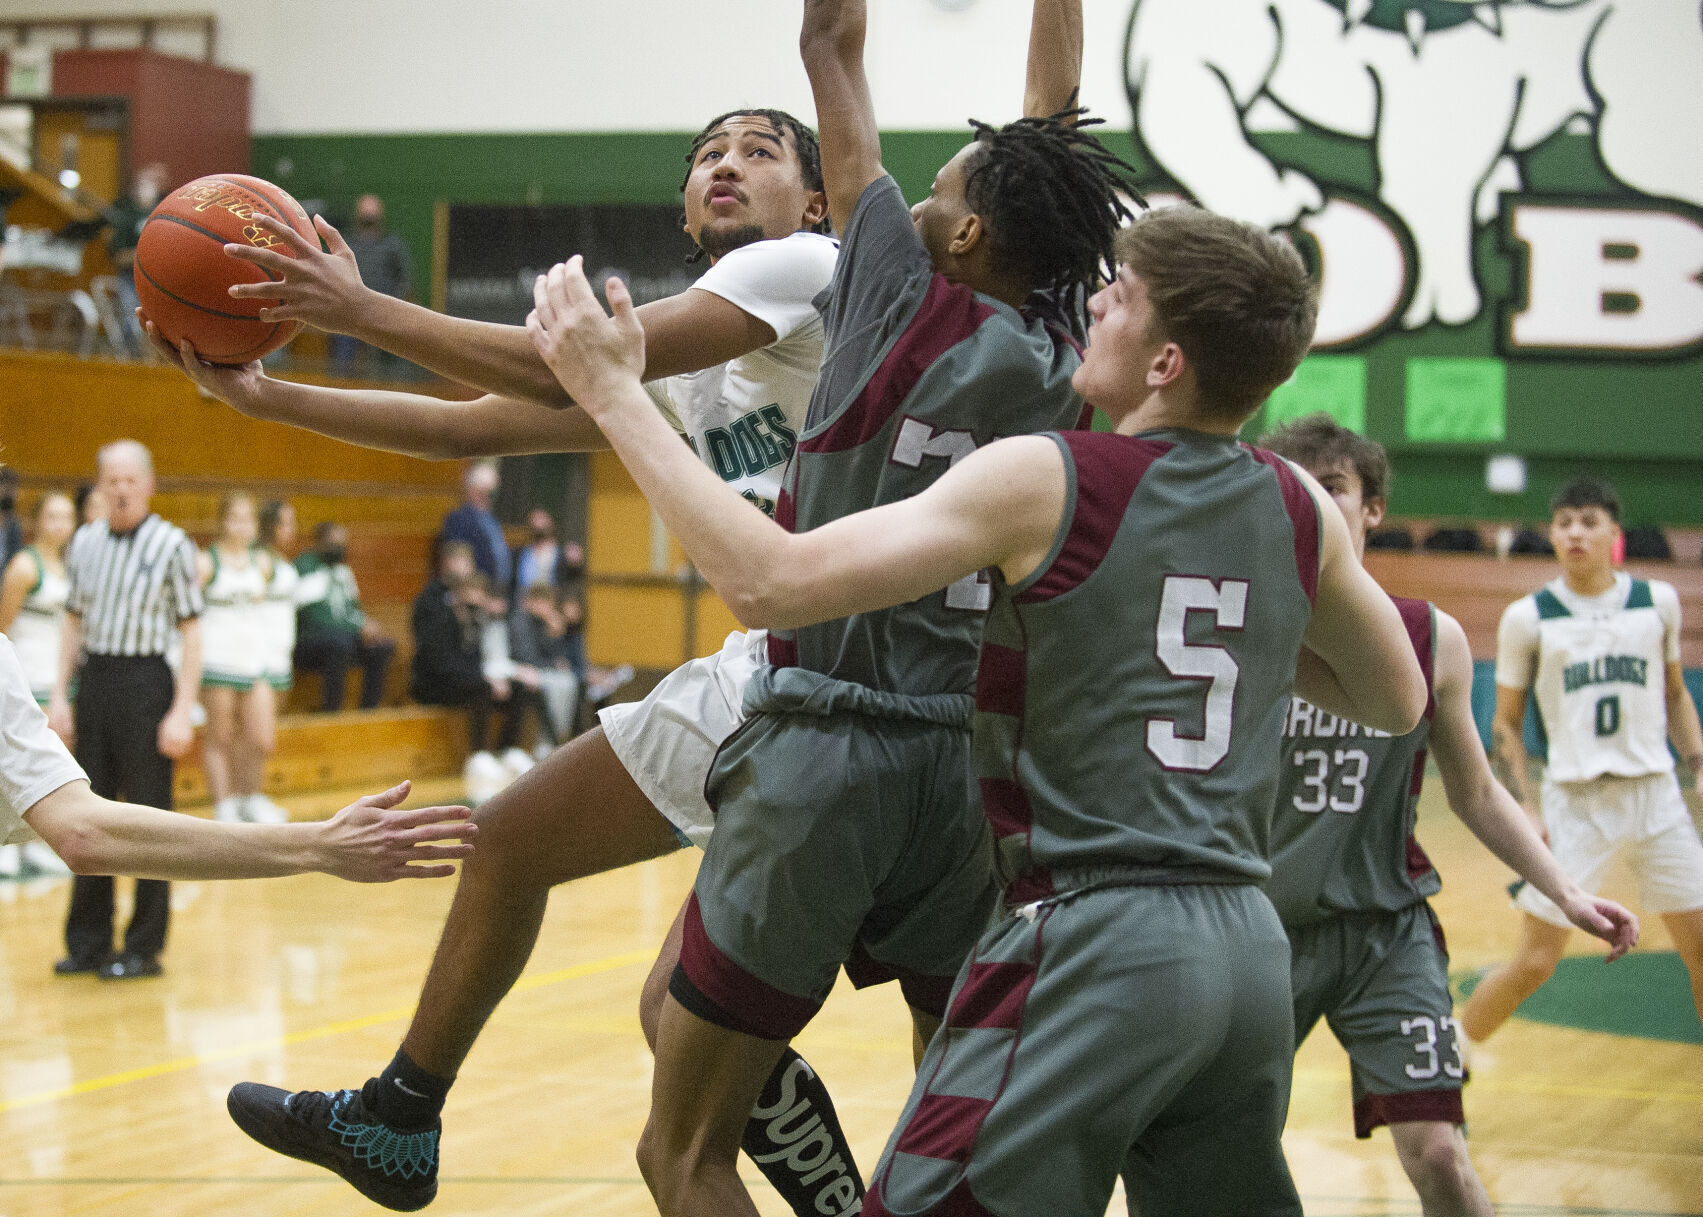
(1601, 651)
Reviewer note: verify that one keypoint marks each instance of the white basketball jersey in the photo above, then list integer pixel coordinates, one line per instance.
(1597, 667)
(743, 417)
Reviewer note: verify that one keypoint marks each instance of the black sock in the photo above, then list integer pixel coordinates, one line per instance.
(405, 1096)
(794, 1138)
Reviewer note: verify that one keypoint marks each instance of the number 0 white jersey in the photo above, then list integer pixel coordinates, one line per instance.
(1597, 666)
(743, 417)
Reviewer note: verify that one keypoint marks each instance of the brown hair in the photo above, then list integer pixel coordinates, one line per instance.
(1236, 299)
(229, 500)
(1318, 443)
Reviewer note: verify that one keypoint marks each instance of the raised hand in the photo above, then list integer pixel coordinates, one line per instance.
(321, 287)
(371, 842)
(593, 355)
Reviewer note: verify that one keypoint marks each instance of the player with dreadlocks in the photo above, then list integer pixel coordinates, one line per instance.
(845, 834)
(731, 366)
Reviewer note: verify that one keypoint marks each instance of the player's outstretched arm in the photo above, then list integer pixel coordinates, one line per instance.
(831, 44)
(1486, 808)
(322, 287)
(1055, 58)
(369, 841)
(999, 507)
(1356, 661)
(410, 423)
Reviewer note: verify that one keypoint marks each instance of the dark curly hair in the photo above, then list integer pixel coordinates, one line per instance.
(1054, 198)
(804, 143)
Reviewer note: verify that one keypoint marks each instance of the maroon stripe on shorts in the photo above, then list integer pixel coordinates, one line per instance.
(1419, 1106)
(1416, 779)
(993, 995)
(949, 314)
(1007, 807)
(753, 1006)
(943, 1126)
(1303, 515)
(1108, 469)
(1001, 676)
(783, 652)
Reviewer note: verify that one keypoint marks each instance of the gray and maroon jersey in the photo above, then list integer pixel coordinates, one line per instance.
(917, 373)
(1342, 835)
(1131, 688)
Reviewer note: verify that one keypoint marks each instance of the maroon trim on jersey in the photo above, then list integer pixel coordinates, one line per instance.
(943, 1127)
(783, 652)
(1416, 779)
(1418, 1106)
(949, 314)
(959, 1202)
(1006, 805)
(1030, 886)
(1418, 864)
(922, 991)
(752, 1006)
(1001, 677)
(1303, 515)
(993, 995)
(1437, 930)
(1108, 469)
(1417, 617)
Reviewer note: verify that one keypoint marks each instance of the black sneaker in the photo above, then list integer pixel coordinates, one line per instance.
(129, 965)
(398, 1170)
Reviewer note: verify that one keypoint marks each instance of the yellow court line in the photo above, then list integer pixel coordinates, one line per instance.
(181, 1064)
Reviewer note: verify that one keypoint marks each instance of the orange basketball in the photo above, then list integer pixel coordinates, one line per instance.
(183, 272)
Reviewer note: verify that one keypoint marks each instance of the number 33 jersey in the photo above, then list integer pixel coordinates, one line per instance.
(1131, 689)
(1597, 667)
(1342, 831)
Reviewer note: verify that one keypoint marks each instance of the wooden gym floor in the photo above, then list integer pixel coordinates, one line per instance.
(112, 1095)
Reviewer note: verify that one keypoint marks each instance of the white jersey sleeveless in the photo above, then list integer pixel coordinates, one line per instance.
(231, 640)
(742, 417)
(277, 614)
(35, 632)
(1597, 668)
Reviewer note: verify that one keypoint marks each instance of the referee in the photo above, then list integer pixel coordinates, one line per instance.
(133, 588)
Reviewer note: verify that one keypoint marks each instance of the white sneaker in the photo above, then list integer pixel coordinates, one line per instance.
(258, 809)
(516, 762)
(485, 776)
(11, 860)
(40, 859)
(228, 810)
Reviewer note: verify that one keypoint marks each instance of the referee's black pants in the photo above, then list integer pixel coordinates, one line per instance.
(120, 702)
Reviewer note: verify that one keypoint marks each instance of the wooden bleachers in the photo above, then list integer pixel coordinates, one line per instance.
(1475, 588)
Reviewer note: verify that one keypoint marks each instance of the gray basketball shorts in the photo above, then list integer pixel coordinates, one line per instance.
(1134, 1031)
(1381, 981)
(845, 834)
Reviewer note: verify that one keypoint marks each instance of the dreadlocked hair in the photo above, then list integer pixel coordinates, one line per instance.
(1054, 198)
(804, 143)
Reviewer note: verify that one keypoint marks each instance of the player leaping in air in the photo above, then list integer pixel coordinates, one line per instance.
(1351, 883)
(1128, 1010)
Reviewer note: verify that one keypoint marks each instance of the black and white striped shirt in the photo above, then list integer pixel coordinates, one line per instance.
(131, 589)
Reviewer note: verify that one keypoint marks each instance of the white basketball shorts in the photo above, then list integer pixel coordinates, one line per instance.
(668, 740)
(1646, 818)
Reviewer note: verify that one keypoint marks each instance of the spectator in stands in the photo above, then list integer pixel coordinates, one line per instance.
(277, 618)
(544, 559)
(539, 647)
(91, 503)
(473, 524)
(332, 633)
(235, 573)
(386, 267)
(33, 593)
(11, 531)
(449, 619)
(126, 218)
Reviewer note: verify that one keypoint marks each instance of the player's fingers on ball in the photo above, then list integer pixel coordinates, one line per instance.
(266, 259)
(287, 234)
